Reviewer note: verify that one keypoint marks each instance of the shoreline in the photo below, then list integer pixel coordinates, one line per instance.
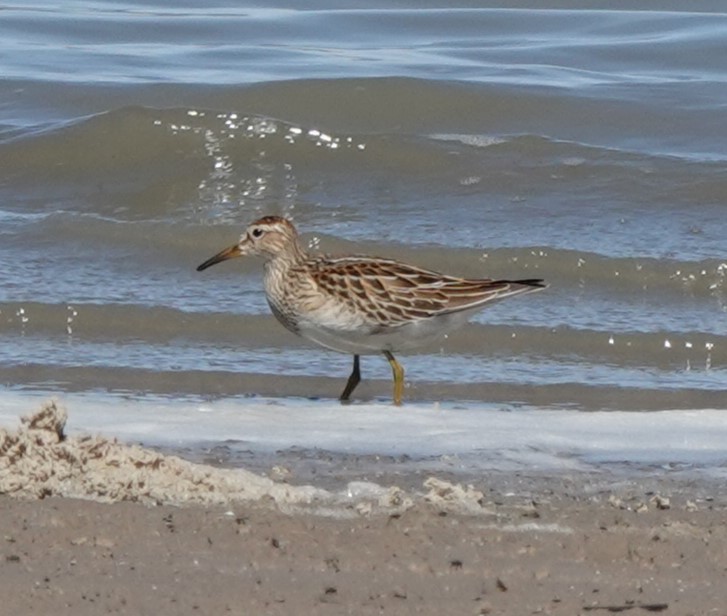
(237, 542)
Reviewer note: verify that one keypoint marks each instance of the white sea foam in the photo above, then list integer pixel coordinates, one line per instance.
(484, 436)
(479, 141)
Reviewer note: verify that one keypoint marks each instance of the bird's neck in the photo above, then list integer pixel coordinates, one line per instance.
(282, 281)
(284, 260)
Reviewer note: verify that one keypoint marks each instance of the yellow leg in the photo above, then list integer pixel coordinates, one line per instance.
(398, 372)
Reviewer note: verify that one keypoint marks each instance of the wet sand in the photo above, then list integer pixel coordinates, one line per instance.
(511, 544)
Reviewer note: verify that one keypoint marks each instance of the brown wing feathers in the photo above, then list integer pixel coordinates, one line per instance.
(392, 293)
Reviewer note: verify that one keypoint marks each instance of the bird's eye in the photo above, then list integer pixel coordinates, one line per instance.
(257, 232)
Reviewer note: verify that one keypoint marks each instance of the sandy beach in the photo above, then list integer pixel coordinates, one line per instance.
(93, 526)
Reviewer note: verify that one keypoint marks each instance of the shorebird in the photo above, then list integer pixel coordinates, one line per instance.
(361, 305)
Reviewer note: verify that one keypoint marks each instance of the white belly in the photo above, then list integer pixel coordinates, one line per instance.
(402, 338)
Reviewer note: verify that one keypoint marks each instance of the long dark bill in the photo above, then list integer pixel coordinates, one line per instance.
(227, 253)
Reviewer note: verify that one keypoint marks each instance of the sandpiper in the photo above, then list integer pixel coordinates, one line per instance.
(360, 304)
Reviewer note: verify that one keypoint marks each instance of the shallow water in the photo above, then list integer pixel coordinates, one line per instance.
(582, 146)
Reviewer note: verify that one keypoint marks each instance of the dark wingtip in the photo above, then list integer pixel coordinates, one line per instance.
(531, 282)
